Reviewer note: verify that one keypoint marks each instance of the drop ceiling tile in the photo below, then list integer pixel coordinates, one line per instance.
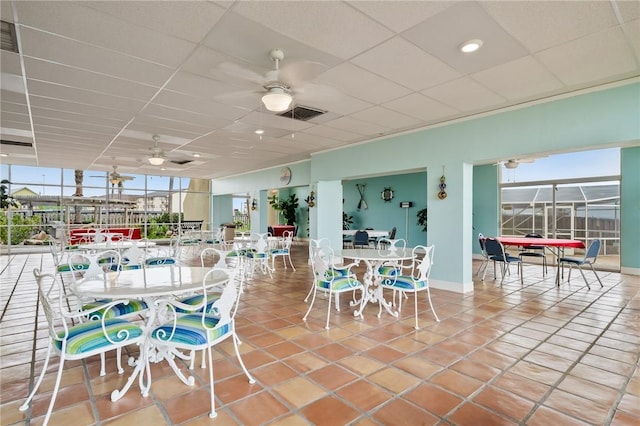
(364, 128)
(632, 30)
(98, 120)
(629, 10)
(72, 53)
(169, 17)
(13, 107)
(10, 62)
(12, 83)
(62, 133)
(206, 121)
(198, 105)
(250, 41)
(76, 125)
(442, 35)
(100, 29)
(591, 58)
(401, 15)
(421, 107)
(404, 63)
(362, 84)
(333, 133)
(198, 86)
(540, 25)
(78, 108)
(464, 95)
(388, 118)
(343, 104)
(532, 79)
(338, 19)
(175, 127)
(39, 88)
(87, 80)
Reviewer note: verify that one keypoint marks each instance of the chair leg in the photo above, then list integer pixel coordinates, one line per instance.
(594, 273)
(213, 413)
(313, 299)
(328, 311)
(415, 304)
(26, 403)
(431, 304)
(584, 277)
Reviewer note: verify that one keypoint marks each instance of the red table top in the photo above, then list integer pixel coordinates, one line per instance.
(550, 242)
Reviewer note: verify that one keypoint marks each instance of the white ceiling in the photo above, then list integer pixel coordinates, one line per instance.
(94, 81)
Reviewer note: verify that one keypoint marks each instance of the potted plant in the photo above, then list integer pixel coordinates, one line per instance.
(6, 199)
(422, 219)
(346, 221)
(287, 207)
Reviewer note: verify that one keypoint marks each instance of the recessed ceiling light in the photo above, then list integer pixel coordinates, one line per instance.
(2, 154)
(471, 45)
(259, 132)
(195, 154)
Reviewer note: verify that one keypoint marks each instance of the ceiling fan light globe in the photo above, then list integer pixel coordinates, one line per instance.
(511, 164)
(276, 100)
(156, 160)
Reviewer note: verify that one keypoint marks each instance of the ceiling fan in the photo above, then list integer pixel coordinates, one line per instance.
(115, 178)
(157, 157)
(280, 84)
(514, 162)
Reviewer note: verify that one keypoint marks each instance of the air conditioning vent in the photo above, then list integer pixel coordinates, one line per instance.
(16, 143)
(181, 162)
(8, 36)
(302, 113)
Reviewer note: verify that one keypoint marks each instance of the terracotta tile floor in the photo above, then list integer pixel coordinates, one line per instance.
(535, 355)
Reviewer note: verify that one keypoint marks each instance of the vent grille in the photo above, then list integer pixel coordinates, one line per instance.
(8, 36)
(16, 143)
(181, 162)
(302, 113)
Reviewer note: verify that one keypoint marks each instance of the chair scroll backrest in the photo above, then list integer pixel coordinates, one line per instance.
(422, 262)
(223, 306)
(50, 294)
(94, 267)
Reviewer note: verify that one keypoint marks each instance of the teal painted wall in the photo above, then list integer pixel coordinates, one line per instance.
(386, 215)
(486, 197)
(630, 209)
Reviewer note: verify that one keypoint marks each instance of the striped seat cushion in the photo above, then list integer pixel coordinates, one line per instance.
(280, 251)
(335, 273)
(195, 301)
(340, 283)
(388, 271)
(155, 261)
(257, 255)
(120, 309)
(236, 253)
(189, 331)
(405, 282)
(76, 267)
(89, 336)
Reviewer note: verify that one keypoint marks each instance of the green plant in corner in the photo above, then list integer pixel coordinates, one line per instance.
(287, 207)
(422, 219)
(346, 221)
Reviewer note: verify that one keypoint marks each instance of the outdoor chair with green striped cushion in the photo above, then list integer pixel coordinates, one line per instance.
(331, 279)
(79, 341)
(101, 267)
(414, 280)
(199, 328)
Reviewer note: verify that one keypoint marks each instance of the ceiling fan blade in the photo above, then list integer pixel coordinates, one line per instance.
(311, 92)
(242, 73)
(296, 73)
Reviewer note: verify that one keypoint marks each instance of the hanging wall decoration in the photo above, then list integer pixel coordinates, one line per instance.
(387, 195)
(362, 204)
(442, 194)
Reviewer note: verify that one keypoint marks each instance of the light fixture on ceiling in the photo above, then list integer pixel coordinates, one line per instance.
(195, 154)
(157, 158)
(277, 99)
(471, 45)
(511, 164)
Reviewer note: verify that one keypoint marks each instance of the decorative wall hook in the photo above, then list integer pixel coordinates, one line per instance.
(442, 194)
(311, 199)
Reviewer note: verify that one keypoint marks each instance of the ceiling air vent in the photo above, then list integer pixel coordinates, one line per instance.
(181, 162)
(302, 113)
(8, 36)
(16, 143)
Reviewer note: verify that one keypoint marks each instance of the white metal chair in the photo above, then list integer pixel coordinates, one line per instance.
(283, 251)
(589, 258)
(258, 254)
(201, 326)
(415, 281)
(74, 340)
(331, 279)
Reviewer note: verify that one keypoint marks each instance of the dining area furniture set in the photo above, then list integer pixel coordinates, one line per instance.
(94, 304)
(495, 249)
